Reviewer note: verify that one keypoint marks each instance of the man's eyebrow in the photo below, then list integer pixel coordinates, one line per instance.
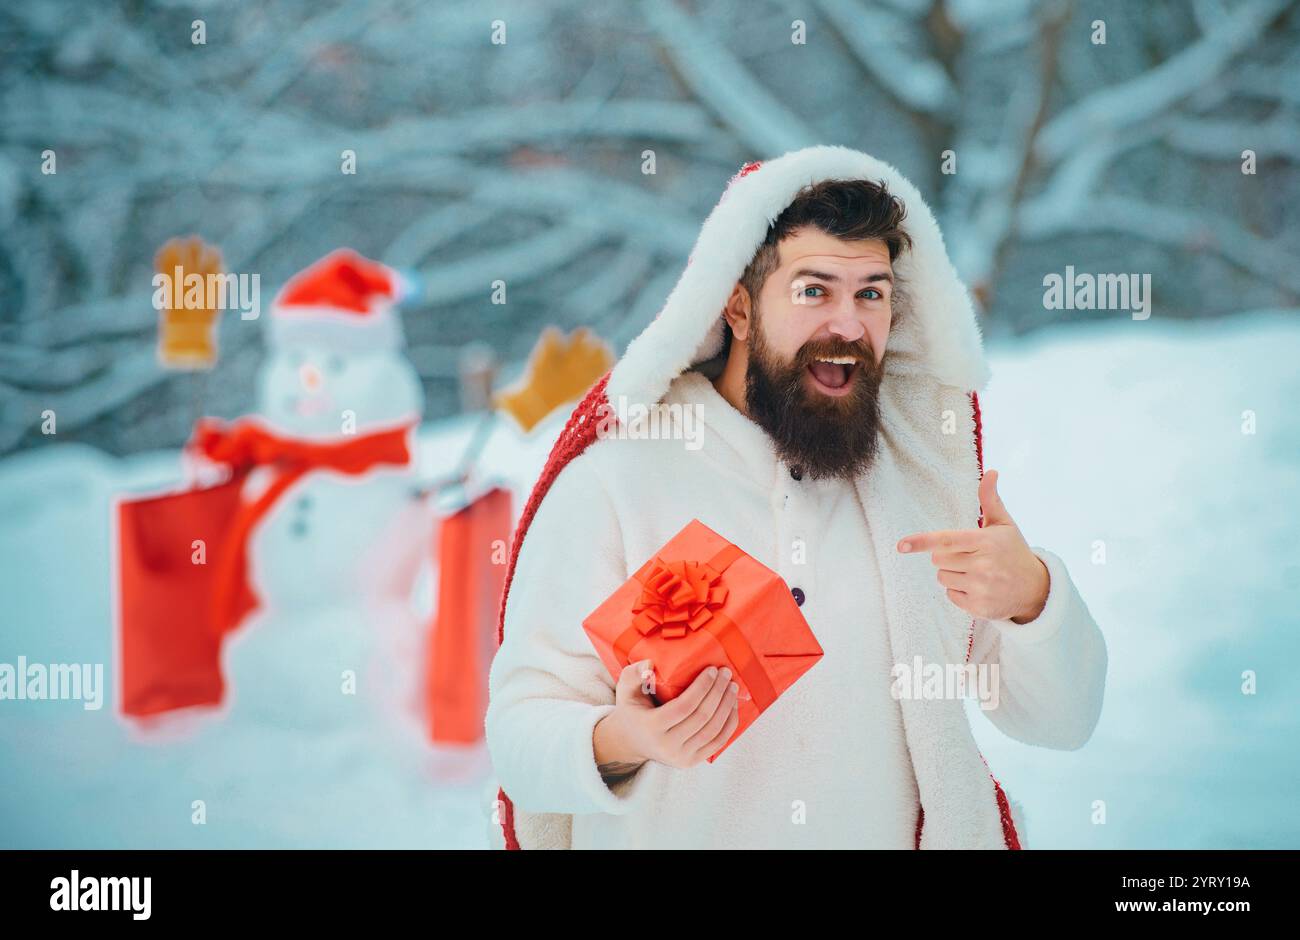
(834, 278)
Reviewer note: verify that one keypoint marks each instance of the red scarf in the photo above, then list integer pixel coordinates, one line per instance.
(246, 444)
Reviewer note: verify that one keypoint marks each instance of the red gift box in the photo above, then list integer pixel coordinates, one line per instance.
(700, 602)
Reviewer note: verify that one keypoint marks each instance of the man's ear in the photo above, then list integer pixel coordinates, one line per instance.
(737, 312)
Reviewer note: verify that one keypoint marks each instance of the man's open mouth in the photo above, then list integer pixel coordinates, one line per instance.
(833, 375)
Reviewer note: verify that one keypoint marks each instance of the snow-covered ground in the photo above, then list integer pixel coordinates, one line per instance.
(70, 777)
(1130, 434)
(1121, 435)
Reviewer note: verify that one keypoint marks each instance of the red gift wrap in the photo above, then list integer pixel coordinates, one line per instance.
(700, 601)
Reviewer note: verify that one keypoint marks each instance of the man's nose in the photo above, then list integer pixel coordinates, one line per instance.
(847, 325)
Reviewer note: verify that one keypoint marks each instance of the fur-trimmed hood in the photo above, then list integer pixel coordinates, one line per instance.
(942, 334)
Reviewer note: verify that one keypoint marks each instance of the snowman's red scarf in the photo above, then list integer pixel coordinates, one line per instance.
(244, 445)
(578, 433)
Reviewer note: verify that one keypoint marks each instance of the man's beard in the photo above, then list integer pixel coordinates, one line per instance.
(824, 435)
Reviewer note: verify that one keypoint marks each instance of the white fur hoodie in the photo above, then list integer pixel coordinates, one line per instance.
(836, 761)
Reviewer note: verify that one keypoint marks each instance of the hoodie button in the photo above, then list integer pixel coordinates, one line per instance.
(798, 595)
(796, 472)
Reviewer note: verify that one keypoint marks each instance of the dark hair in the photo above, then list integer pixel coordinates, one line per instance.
(853, 210)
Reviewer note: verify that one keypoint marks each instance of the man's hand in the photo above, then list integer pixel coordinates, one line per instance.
(680, 733)
(990, 572)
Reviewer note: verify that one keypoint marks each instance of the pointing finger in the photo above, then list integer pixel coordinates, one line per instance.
(948, 540)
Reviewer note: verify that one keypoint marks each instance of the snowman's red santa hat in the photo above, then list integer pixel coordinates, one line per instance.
(345, 301)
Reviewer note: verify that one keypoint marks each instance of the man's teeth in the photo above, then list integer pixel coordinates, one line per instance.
(839, 360)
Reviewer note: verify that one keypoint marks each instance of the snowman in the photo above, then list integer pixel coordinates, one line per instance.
(334, 649)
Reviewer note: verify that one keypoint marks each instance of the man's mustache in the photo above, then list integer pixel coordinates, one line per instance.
(810, 351)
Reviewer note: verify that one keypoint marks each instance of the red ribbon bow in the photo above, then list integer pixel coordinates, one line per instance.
(677, 597)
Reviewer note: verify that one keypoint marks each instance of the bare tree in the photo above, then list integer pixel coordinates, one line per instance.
(526, 161)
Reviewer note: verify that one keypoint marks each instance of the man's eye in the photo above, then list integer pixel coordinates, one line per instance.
(814, 287)
(872, 290)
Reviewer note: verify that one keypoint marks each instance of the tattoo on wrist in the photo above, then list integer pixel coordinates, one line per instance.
(617, 771)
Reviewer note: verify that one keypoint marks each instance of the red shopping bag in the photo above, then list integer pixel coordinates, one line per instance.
(177, 600)
(473, 545)
(169, 552)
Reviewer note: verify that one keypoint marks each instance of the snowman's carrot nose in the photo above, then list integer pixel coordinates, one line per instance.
(309, 376)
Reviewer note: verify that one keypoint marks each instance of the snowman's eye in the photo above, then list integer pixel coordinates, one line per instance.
(295, 357)
(336, 363)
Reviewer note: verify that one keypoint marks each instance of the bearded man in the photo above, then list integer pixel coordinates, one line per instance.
(833, 358)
